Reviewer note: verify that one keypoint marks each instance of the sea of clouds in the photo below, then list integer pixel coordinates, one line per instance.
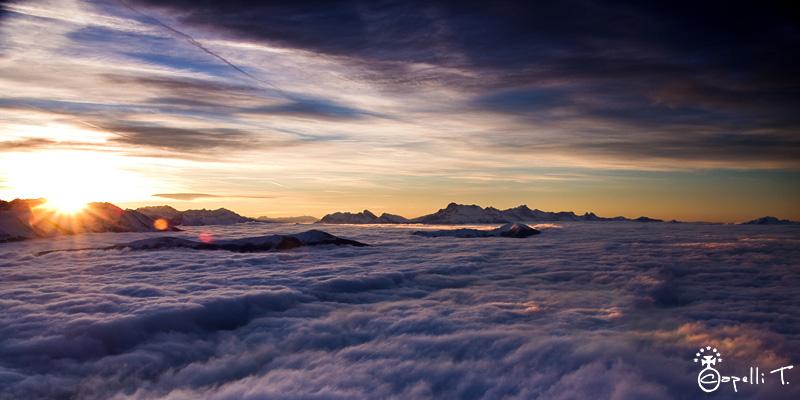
(584, 310)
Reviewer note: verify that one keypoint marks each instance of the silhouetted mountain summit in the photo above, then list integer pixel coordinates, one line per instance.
(364, 217)
(770, 221)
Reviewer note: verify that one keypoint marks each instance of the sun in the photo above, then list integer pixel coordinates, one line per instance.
(65, 204)
(71, 179)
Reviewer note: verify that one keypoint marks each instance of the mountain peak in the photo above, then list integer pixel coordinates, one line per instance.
(770, 221)
(364, 217)
(369, 214)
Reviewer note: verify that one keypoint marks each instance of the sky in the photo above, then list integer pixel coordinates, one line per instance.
(673, 110)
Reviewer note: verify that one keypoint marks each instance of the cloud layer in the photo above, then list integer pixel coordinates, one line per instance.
(349, 96)
(615, 310)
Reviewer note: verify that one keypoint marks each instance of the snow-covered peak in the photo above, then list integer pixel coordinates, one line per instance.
(364, 217)
(463, 214)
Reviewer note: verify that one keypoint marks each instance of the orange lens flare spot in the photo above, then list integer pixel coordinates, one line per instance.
(161, 224)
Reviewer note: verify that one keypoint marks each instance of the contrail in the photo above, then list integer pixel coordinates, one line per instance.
(278, 184)
(200, 46)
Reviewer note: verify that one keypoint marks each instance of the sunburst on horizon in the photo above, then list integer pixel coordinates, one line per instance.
(65, 204)
(69, 180)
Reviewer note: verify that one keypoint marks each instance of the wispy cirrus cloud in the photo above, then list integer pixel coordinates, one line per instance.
(599, 76)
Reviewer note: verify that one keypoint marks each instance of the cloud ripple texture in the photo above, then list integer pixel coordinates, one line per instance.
(611, 310)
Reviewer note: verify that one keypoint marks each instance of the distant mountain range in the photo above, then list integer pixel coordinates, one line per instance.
(27, 219)
(471, 214)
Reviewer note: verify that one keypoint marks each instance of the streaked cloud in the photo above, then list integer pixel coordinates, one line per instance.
(184, 196)
(195, 196)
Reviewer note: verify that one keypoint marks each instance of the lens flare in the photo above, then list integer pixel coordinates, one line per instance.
(161, 224)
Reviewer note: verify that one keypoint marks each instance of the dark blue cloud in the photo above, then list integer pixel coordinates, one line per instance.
(658, 66)
(317, 108)
(680, 75)
(3, 10)
(501, 32)
(527, 101)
